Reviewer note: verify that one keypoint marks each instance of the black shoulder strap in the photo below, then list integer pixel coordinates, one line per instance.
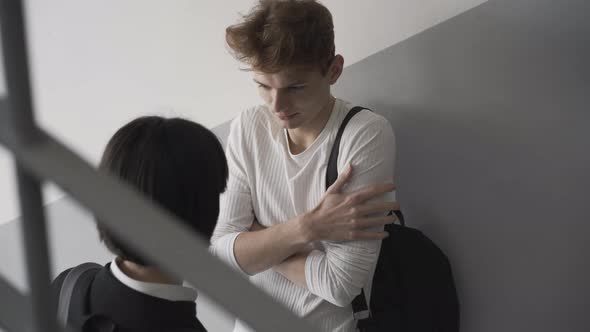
(359, 303)
(332, 172)
(67, 289)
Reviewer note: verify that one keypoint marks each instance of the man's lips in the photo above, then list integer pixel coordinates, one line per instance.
(284, 116)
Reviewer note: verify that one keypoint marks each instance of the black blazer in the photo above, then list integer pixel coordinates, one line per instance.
(109, 299)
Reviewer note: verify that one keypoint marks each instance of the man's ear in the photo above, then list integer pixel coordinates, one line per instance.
(336, 69)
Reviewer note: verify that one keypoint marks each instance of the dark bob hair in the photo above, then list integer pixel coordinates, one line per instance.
(179, 164)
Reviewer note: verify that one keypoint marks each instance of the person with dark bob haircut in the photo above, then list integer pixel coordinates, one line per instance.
(180, 166)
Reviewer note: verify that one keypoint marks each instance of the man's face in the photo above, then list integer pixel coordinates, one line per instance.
(295, 95)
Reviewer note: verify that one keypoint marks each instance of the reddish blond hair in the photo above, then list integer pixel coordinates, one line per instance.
(279, 33)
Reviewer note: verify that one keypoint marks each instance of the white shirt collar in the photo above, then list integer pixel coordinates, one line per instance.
(162, 291)
(279, 132)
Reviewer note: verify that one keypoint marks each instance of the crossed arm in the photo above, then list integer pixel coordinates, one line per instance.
(347, 223)
(287, 247)
(339, 217)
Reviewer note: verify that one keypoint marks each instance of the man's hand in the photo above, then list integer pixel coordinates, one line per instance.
(345, 216)
(338, 217)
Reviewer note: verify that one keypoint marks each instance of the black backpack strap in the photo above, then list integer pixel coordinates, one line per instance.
(360, 308)
(359, 304)
(332, 172)
(67, 289)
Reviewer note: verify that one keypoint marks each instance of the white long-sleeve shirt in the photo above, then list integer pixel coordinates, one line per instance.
(269, 183)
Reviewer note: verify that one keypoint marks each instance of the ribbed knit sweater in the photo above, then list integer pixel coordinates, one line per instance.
(269, 183)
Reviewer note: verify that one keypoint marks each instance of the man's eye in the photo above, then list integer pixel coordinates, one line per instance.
(263, 86)
(296, 87)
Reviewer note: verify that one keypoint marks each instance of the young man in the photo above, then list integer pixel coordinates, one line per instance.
(313, 250)
(181, 166)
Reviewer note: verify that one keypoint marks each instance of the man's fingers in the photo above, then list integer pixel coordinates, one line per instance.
(342, 179)
(364, 235)
(364, 223)
(376, 208)
(372, 191)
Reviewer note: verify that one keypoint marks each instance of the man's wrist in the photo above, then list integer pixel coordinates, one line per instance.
(301, 228)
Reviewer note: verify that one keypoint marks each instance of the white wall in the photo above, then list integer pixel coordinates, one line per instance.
(97, 64)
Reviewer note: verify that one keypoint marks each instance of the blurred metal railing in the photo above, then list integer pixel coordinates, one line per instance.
(123, 211)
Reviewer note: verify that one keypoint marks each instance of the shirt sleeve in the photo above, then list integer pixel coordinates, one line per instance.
(236, 213)
(339, 272)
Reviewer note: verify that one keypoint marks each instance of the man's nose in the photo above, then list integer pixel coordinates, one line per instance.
(279, 101)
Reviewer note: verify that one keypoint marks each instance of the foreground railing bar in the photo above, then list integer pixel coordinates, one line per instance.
(155, 233)
(19, 117)
(15, 310)
(34, 234)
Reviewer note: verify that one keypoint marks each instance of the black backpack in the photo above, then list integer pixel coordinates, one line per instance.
(413, 288)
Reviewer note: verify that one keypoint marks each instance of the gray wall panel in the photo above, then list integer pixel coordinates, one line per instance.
(490, 110)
